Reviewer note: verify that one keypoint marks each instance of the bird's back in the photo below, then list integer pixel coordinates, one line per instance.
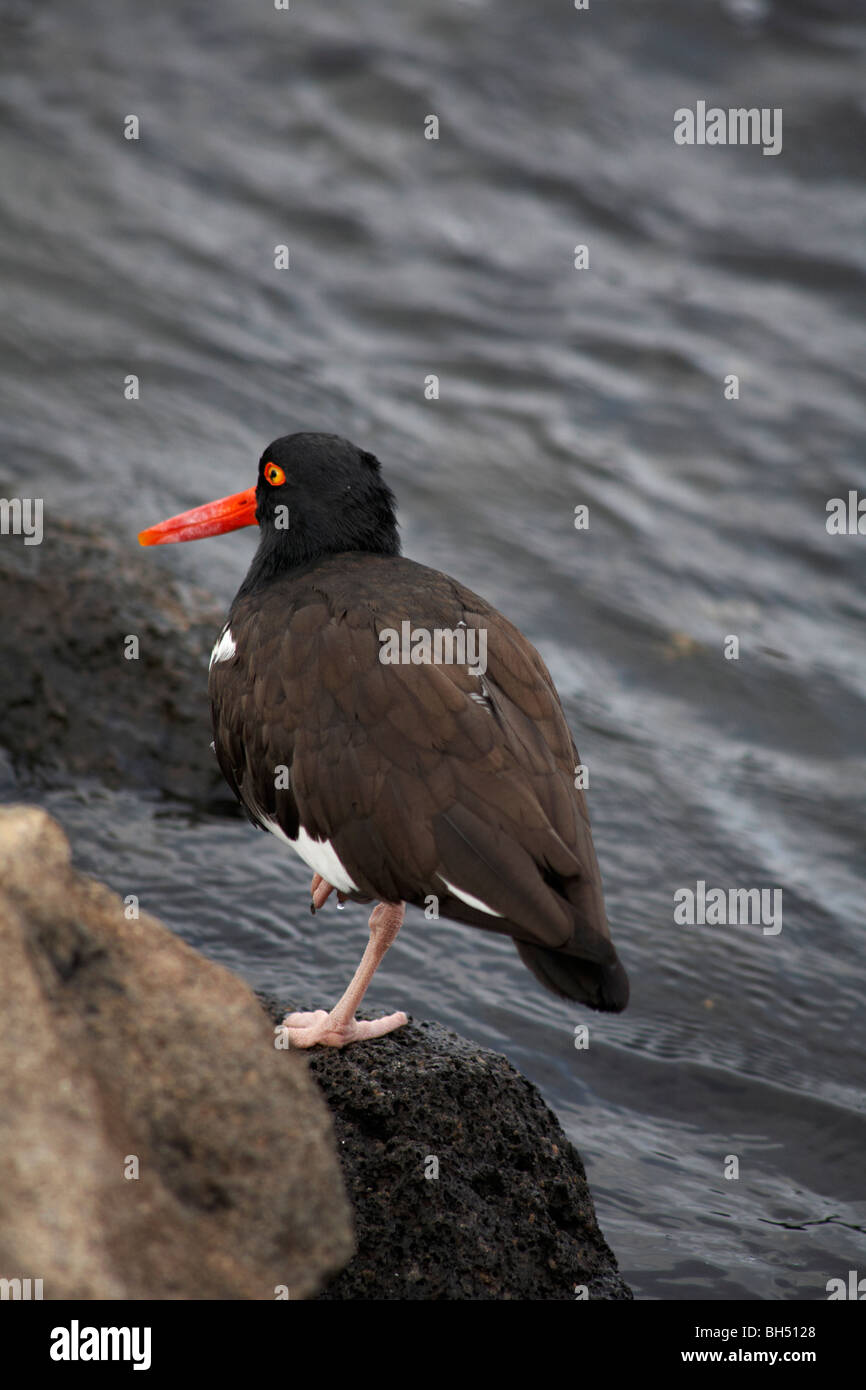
(447, 779)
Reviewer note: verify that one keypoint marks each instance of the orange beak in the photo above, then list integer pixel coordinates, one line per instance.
(214, 518)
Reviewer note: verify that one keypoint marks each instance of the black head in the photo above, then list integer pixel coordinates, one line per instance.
(318, 494)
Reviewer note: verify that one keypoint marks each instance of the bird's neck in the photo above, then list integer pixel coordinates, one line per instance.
(280, 553)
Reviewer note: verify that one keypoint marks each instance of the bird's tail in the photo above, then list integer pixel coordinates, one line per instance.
(602, 984)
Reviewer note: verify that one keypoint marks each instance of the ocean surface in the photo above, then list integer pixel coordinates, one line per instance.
(558, 387)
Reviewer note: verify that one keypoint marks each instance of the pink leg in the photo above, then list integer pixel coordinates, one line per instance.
(339, 1027)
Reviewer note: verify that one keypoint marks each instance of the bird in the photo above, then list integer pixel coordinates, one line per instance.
(398, 732)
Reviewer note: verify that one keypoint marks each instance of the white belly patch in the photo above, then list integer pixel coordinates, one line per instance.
(320, 855)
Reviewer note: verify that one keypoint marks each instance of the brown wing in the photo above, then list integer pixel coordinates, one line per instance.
(419, 775)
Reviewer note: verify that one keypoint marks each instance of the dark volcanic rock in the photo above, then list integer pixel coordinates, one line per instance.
(509, 1216)
(73, 705)
(118, 1041)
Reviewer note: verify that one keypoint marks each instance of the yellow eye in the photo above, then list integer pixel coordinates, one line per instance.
(274, 474)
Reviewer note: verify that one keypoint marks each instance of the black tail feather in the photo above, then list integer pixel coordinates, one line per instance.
(602, 986)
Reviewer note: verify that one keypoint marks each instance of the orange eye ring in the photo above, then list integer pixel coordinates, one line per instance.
(274, 474)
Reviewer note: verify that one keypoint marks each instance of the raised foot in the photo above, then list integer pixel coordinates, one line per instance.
(320, 891)
(320, 1028)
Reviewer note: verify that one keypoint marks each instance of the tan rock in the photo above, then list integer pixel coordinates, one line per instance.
(118, 1041)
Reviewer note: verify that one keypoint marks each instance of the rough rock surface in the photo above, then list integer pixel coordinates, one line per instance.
(72, 704)
(510, 1215)
(116, 1039)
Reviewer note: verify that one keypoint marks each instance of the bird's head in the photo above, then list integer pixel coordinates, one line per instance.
(316, 494)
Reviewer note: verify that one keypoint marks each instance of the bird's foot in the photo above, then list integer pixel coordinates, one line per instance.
(325, 1030)
(320, 891)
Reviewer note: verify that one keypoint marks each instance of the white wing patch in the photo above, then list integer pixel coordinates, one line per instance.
(225, 648)
(468, 898)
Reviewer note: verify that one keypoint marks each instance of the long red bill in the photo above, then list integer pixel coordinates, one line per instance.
(228, 514)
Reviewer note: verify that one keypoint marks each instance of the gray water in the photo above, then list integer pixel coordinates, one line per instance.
(558, 387)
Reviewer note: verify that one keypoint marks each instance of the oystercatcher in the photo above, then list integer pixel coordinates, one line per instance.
(397, 731)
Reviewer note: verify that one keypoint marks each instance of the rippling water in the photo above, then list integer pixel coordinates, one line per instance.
(558, 387)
